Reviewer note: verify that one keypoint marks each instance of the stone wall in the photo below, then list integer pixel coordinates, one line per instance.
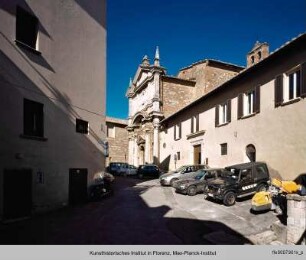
(118, 145)
(296, 221)
(176, 94)
(208, 75)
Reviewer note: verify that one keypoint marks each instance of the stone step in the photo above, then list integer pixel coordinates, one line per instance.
(264, 238)
(276, 243)
(280, 231)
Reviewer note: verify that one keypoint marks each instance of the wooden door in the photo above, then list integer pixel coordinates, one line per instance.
(197, 154)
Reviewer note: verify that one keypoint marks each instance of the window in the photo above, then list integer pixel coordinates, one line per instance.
(249, 103)
(223, 149)
(195, 124)
(82, 126)
(111, 131)
(178, 131)
(178, 155)
(294, 84)
(290, 86)
(252, 59)
(223, 113)
(262, 172)
(33, 118)
(26, 28)
(259, 55)
(246, 175)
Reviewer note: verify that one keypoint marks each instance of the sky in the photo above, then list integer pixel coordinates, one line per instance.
(187, 31)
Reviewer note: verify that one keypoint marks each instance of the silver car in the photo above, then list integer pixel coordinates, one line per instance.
(184, 172)
(127, 170)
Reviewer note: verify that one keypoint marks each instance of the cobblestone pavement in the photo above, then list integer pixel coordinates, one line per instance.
(143, 213)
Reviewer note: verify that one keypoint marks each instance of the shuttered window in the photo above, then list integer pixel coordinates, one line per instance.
(249, 103)
(290, 86)
(223, 113)
(178, 131)
(194, 124)
(278, 90)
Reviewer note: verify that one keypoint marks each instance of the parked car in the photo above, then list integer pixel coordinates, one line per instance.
(128, 170)
(184, 172)
(148, 170)
(244, 179)
(115, 167)
(192, 186)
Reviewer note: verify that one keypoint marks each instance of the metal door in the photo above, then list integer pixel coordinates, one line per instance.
(17, 193)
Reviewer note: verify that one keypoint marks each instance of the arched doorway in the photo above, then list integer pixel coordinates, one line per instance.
(251, 152)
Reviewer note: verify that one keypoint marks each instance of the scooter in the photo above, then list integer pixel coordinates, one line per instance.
(100, 189)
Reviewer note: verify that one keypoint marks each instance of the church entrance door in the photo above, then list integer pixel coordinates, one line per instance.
(197, 154)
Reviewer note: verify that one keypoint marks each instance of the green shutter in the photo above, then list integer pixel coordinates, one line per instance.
(303, 80)
(229, 110)
(217, 115)
(278, 90)
(240, 106)
(257, 100)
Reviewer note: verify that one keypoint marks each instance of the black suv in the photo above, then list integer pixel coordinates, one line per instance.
(243, 180)
(148, 170)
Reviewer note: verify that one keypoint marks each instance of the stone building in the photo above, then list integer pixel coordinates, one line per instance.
(153, 95)
(257, 115)
(117, 138)
(52, 102)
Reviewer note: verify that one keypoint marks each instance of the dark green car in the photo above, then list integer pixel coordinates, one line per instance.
(244, 180)
(195, 185)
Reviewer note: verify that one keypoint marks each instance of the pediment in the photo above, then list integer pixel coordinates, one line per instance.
(141, 76)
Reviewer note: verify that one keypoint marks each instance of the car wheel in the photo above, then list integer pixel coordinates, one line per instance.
(192, 190)
(261, 187)
(172, 181)
(229, 198)
(140, 175)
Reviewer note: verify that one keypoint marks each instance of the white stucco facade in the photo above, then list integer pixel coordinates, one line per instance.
(276, 132)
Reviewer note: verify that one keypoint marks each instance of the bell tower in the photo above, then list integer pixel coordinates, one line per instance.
(258, 53)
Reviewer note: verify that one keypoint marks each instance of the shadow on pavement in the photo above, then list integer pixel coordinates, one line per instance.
(123, 219)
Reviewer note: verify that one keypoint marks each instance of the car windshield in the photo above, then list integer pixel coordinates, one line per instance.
(225, 173)
(199, 174)
(180, 169)
(233, 172)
